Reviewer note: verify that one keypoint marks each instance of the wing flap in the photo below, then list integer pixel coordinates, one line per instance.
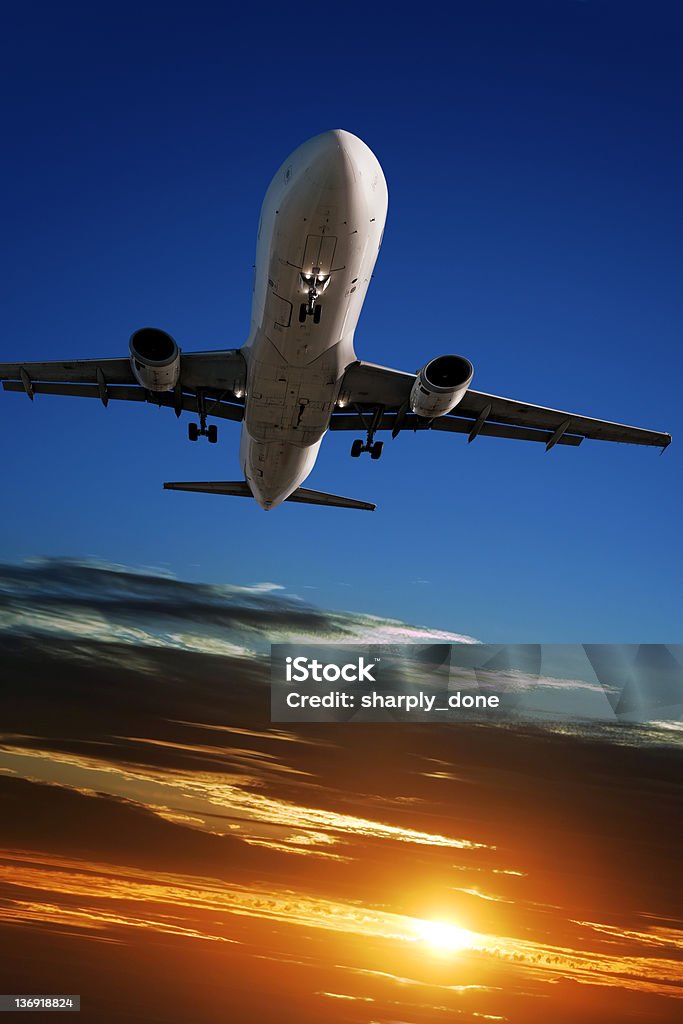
(119, 392)
(132, 393)
(453, 425)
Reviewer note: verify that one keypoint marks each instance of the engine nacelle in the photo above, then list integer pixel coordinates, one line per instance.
(155, 359)
(440, 385)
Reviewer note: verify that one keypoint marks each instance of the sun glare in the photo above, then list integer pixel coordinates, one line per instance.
(443, 937)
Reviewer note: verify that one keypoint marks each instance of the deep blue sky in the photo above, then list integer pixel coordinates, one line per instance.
(534, 158)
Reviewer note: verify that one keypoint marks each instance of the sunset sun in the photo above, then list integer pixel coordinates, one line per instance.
(444, 937)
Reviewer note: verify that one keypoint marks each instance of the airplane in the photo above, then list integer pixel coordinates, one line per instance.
(297, 376)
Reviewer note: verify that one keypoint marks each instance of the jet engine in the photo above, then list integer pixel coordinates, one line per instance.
(440, 385)
(155, 359)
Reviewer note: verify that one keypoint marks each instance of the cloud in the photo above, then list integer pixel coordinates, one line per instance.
(99, 602)
(263, 588)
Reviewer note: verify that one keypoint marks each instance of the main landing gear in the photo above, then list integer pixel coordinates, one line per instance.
(197, 430)
(369, 445)
(375, 449)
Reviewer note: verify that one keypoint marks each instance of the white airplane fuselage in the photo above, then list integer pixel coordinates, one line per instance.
(321, 226)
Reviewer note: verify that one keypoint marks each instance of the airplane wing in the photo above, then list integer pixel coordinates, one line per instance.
(206, 378)
(377, 394)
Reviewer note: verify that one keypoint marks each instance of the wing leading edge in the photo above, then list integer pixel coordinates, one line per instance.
(385, 393)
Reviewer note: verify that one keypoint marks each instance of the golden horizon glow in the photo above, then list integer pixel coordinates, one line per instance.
(100, 898)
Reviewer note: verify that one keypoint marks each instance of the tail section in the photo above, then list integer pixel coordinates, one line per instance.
(240, 489)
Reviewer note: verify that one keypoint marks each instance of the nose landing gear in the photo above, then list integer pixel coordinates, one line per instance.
(310, 309)
(315, 283)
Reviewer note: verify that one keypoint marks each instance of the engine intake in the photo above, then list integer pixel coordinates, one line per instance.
(440, 385)
(155, 359)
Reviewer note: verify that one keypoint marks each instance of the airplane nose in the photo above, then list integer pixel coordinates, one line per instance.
(337, 160)
(332, 163)
(336, 139)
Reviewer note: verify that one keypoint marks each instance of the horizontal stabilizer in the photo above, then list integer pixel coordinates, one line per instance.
(241, 489)
(238, 488)
(322, 498)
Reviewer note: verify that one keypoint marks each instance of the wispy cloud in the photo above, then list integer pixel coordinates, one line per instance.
(110, 604)
(203, 796)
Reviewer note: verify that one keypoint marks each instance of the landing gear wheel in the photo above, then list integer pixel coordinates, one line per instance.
(302, 313)
(193, 432)
(356, 449)
(376, 449)
(212, 433)
(317, 312)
